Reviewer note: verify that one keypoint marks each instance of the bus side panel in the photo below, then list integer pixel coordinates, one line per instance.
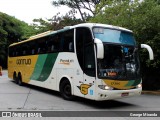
(89, 87)
(67, 66)
(44, 71)
(10, 67)
(24, 65)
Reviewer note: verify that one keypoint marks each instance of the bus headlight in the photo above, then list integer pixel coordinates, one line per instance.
(105, 87)
(139, 86)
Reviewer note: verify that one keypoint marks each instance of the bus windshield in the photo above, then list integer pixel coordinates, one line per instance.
(121, 60)
(114, 36)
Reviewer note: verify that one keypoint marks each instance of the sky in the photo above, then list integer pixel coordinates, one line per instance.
(27, 10)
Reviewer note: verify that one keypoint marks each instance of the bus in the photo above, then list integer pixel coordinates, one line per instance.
(89, 60)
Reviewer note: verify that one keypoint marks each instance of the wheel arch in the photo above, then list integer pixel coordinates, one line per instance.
(20, 74)
(15, 73)
(63, 79)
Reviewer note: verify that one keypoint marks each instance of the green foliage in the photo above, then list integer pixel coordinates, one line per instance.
(27, 30)
(115, 12)
(11, 30)
(56, 22)
(8, 28)
(41, 25)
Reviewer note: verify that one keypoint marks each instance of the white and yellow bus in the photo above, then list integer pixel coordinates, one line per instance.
(94, 61)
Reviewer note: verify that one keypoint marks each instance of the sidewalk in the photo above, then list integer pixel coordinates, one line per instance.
(151, 92)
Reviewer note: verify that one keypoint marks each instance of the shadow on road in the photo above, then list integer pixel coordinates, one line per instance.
(40, 89)
(108, 104)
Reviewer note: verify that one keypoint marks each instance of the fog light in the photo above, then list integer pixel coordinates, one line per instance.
(139, 86)
(105, 87)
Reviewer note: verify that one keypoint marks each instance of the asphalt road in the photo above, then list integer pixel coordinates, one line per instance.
(24, 98)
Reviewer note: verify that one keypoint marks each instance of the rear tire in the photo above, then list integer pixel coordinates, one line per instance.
(65, 90)
(15, 78)
(19, 79)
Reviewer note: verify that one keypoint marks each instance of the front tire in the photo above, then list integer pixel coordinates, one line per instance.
(66, 90)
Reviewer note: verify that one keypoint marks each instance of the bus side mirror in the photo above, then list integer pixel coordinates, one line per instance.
(100, 48)
(151, 56)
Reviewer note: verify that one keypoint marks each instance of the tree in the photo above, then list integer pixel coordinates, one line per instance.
(56, 22)
(2, 51)
(11, 30)
(41, 25)
(69, 19)
(88, 5)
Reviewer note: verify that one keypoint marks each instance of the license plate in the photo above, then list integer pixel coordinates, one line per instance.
(124, 94)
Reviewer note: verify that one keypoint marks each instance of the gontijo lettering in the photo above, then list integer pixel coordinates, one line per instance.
(23, 61)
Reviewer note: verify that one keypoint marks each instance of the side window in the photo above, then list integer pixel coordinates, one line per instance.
(14, 51)
(24, 49)
(61, 42)
(42, 46)
(68, 41)
(54, 43)
(31, 48)
(17, 51)
(85, 50)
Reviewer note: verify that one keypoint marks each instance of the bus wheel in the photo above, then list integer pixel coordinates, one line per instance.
(15, 78)
(65, 90)
(20, 80)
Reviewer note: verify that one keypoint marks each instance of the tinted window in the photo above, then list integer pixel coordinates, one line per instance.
(61, 42)
(68, 41)
(85, 50)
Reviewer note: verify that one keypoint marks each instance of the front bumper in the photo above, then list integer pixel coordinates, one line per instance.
(114, 94)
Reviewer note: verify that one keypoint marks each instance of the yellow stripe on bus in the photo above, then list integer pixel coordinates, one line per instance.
(117, 84)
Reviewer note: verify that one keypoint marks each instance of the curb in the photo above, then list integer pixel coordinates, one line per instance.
(151, 92)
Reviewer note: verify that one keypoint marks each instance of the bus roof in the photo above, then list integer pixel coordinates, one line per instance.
(33, 37)
(89, 25)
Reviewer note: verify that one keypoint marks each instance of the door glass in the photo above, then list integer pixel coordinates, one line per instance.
(85, 51)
